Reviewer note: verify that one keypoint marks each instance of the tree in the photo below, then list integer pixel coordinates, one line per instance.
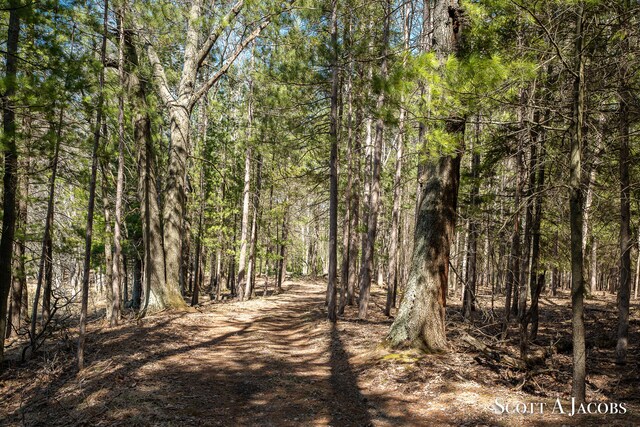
(420, 321)
(92, 192)
(10, 152)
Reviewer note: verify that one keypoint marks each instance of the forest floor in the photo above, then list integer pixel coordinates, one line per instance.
(276, 361)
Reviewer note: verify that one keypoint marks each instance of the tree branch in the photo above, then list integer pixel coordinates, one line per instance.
(215, 34)
(225, 67)
(159, 76)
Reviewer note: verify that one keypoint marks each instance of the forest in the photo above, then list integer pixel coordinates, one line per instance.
(320, 212)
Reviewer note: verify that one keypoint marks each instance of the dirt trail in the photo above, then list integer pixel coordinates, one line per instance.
(276, 361)
(268, 361)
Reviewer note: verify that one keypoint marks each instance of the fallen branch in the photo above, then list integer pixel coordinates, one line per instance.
(491, 353)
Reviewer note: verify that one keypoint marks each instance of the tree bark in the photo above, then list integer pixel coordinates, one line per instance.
(10, 178)
(117, 268)
(397, 188)
(626, 242)
(158, 294)
(366, 269)
(333, 172)
(282, 261)
(575, 215)
(421, 318)
(244, 225)
(420, 322)
(251, 267)
(18, 310)
(92, 194)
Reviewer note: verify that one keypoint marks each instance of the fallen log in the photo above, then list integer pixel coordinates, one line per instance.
(491, 353)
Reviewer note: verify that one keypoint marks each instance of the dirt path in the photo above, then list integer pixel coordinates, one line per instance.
(267, 361)
(275, 361)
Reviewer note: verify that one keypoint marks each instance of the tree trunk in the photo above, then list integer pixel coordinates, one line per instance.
(158, 294)
(513, 270)
(366, 269)
(282, 262)
(585, 220)
(535, 280)
(117, 269)
(251, 268)
(242, 261)
(136, 292)
(17, 309)
(333, 168)
(421, 318)
(626, 242)
(469, 298)
(347, 232)
(92, 195)
(10, 179)
(108, 251)
(397, 188)
(635, 288)
(576, 209)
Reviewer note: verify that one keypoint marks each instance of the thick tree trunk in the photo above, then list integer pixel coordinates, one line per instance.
(420, 320)
(174, 204)
(158, 294)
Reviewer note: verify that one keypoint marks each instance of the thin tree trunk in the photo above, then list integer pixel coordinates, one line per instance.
(576, 208)
(366, 269)
(397, 187)
(282, 262)
(635, 289)
(585, 220)
(626, 242)
(117, 268)
(108, 250)
(18, 309)
(469, 297)
(244, 225)
(251, 267)
(10, 179)
(92, 195)
(333, 167)
(536, 280)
